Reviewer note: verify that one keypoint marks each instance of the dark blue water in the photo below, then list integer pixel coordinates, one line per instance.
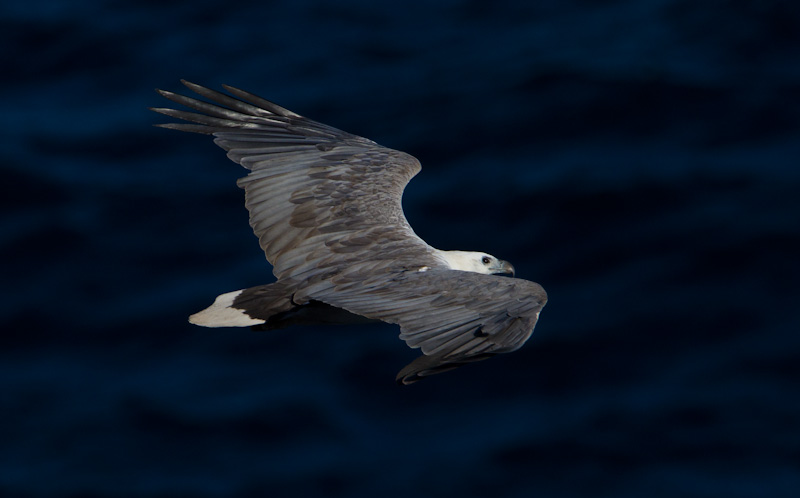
(639, 159)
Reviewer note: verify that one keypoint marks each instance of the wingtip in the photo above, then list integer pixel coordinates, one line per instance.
(425, 366)
(188, 84)
(231, 89)
(192, 86)
(166, 111)
(406, 380)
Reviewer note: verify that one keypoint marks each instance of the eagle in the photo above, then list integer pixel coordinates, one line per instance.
(326, 208)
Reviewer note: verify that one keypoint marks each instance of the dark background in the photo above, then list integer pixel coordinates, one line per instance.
(639, 159)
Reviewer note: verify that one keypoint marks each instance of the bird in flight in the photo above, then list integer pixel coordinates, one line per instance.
(326, 208)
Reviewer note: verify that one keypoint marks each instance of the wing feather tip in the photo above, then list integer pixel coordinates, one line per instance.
(424, 366)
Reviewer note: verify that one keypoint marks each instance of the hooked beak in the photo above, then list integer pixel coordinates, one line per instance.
(504, 267)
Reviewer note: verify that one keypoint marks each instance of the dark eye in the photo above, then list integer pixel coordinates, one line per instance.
(486, 260)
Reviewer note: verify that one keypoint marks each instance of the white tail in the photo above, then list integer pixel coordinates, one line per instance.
(223, 314)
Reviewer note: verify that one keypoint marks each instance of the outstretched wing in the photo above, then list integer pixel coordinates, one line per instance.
(454, 317)
(318, 197)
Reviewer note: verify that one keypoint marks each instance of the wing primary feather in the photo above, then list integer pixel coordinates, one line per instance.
(231, 102)
(261, 102)
(203, 119)
(207, 108)
(191, 128)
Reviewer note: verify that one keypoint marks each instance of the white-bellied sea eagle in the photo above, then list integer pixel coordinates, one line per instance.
(326, 208)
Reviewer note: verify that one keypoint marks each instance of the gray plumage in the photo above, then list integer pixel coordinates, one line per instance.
(326, 208)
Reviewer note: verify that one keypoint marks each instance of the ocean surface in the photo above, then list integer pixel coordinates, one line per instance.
(639, 159)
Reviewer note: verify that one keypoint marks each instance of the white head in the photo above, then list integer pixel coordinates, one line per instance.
(478, 262)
